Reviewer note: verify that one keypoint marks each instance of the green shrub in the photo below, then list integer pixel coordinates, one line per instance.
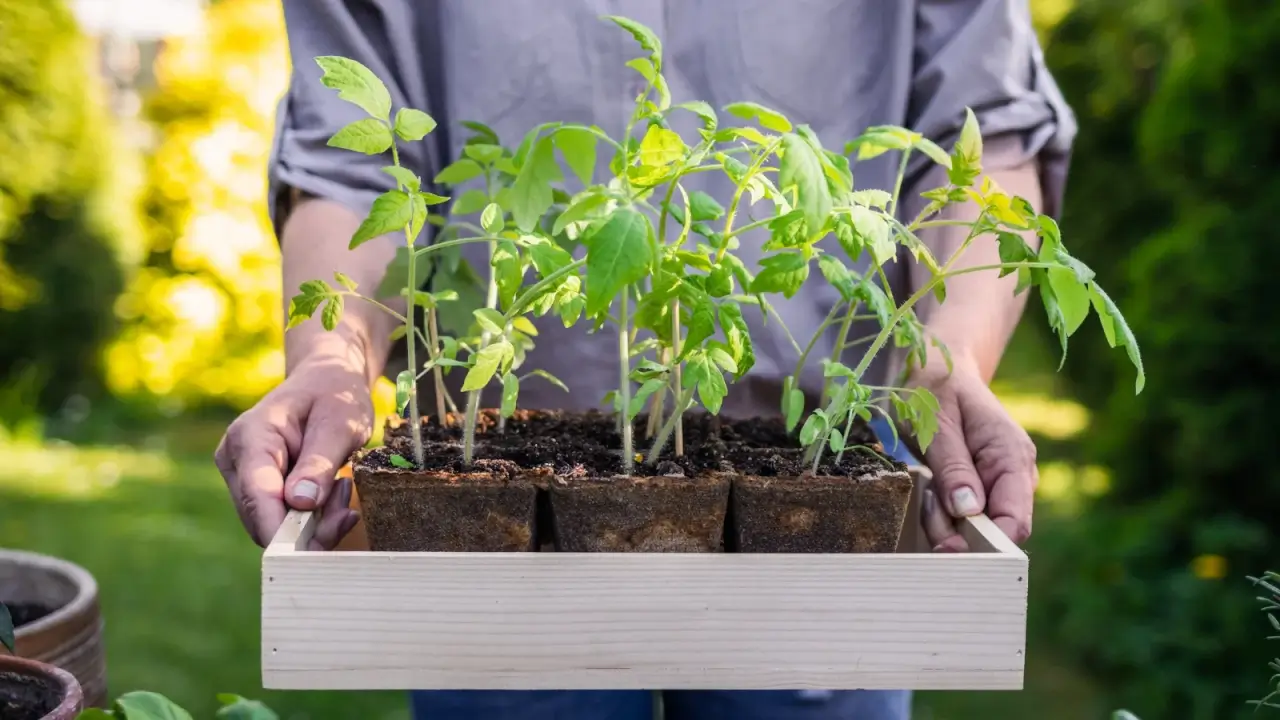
(59, 225)
(1172, 199)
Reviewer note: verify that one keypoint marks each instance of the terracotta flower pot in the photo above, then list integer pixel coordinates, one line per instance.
(55, 608)
(31, 690)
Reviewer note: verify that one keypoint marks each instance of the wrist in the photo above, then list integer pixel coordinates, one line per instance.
(958, 359)
(346, 345)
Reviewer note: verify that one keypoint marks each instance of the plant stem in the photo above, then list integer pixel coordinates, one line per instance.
(838, 349)
(539, 287)
(624, 385)
(682, 404)
(676, 342)
(813, 342)
(737, 197)
(442, 395)
(411, 332)
(473, 397)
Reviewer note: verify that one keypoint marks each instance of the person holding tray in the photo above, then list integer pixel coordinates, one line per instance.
(839, 65)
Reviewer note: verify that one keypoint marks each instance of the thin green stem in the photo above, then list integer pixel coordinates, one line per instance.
(624, 384)
(813, 342)
(411, 332)
(938, 223)
(677, 413)
(522, 302)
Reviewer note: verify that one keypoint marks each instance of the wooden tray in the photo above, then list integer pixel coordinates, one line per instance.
(358, 620)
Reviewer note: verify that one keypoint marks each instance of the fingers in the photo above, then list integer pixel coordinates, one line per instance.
(1011, 499)
(955, 479)
(337, 519)
(939, 527)
(252, 468)
(329, 440)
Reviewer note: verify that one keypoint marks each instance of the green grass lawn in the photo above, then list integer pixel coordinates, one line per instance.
(179, 579)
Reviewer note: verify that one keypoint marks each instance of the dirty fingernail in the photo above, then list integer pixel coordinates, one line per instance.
(306, 490)
(930, 502)
(965, 502)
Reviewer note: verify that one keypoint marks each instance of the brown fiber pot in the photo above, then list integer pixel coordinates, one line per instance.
(31, 690)
(809, 514)
(407, 510)
(639, 514)
(69, 637)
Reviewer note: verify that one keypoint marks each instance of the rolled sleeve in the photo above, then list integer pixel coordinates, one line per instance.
(984, 55)
(382, 37)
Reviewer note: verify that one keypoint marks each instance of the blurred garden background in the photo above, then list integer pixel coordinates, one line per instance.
(140, 309)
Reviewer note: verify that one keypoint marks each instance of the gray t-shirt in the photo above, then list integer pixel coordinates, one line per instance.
(837, 65)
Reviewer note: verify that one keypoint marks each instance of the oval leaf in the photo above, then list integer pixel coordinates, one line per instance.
(356, 84)
(368, 136)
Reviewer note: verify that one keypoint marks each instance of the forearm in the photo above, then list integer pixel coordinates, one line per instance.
(981, 311)
(314, 245)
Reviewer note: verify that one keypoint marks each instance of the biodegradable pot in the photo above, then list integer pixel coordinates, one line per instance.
(492, 508)
(31, 690)
(640, 514)
(57, 618)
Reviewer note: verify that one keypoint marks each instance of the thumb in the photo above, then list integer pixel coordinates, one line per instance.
(328, 440)
(956, 480)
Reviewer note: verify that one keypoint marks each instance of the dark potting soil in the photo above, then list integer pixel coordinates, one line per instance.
(27, 613)
(588, 445)
(26, 697)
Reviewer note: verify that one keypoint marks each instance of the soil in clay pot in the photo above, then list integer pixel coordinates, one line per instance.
(35, 691)
(780, 505)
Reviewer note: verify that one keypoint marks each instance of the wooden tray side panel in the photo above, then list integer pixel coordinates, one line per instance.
(362, 620)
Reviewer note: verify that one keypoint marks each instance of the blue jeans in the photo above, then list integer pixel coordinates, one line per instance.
(677, 705)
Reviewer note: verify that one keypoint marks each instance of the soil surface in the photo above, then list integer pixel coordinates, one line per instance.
(588, 445)
(27, 613)
(24, 697)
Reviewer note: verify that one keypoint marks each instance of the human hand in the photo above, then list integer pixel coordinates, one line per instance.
(284, 452)
(981, 460)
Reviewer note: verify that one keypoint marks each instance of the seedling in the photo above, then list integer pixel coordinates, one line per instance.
(689, 301)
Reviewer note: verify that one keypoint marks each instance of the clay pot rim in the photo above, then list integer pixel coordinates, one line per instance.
(72, 699)
(86, 587)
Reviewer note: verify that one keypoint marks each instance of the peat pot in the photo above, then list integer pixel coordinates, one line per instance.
(55, 611)
(31, 690)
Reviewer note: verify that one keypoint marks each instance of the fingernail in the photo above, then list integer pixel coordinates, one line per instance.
(348, 523)
(930, 502)
(306, 490)
(965, 502)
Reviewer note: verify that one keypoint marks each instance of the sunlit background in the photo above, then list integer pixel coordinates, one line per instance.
(140, 309)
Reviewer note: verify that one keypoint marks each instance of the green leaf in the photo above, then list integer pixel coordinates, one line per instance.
(873, 230)
(767, 118)
(510, 393)
(801, 168)
(429, 198)
(782, 273)
(491, 320)
(835, 440)
(838, 275)
(793, 404)
(578, 210)
(814, 426)
(924, 409)
(473, 200)
(578, 146)
(235, 707)
(7, 635)
(311, 295)
(144, 705)
(702, 324)
(618, 254)
(1072, 297)
(356, 84)
(722, 358)
(491, 219)
(702, 110)
(508, 270)
(96, 714)
(660, 147)
(935, 153)
(647, 389)
(368, 136)
(876, 141)
(720, 281)
(344, 281)
(1117, 331)
(871, 197)
(413, 124)
(550, 378)
(704, 208)
(487, 363)
(400, 462)
(643, 35)
(404, 177)
(548, 257)
(738, 337)
(482, 152)
(391, 211)
(459, 172)
(483, 133)
(966, 156)
(404, 388)
(702, 372)
(531, 194)
(332, 312)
